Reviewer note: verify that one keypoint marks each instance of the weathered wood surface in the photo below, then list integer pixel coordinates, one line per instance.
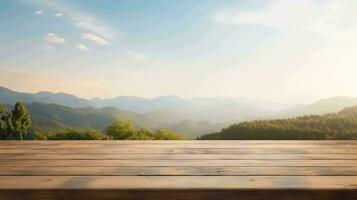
(178, 170)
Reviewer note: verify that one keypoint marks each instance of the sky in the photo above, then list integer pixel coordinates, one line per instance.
(294, 51)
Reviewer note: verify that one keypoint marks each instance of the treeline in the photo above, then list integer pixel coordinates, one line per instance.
(15, 125)
(341, 125)
(118, 130)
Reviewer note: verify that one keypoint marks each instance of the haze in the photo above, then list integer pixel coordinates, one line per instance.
(280, 50)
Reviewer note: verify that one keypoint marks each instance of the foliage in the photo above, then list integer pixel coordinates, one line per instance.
(141, 134)
(70, 134)
(164, 134)
(341, 125)
(120, 130)
(14, 125)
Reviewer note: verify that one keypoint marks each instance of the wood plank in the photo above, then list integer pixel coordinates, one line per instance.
(178, 171)
(150, 146)
(111, 156)
(178, 182)
(179, 194)
(158, 142)
(178, 151)
(187, 169)
(222, 163)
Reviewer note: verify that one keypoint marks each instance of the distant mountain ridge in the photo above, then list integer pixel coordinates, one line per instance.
(217, 110)
(323, 106)
(139, 104)
(54, 116)
(8, 96)
(194, 116)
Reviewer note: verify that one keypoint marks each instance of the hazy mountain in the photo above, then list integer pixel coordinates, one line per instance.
(197, 128)
(166, 109)
(192, 116)
(230, 112)
(10, 97)
(140, 105)
(49, 116)
(323, 106)
(222, 110)
(257, 104)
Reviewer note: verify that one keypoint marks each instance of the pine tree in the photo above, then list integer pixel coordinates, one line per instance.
(21, 121)
(14, 125)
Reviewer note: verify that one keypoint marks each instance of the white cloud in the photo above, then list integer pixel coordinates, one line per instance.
(53, 39)
(78, 19)
(312, 57)
(138, 57)
(278, 14)
(94, 38)
(81, 47)
(39, 12)
(93, 25)
(329, 19)
(58, 15)
(49, 47)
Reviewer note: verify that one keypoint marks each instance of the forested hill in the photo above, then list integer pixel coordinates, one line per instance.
(341, 125)
(53, 116)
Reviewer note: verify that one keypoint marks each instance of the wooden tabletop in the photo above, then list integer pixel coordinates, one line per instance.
(178, 170)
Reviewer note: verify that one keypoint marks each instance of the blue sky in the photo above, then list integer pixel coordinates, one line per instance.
(294, 51)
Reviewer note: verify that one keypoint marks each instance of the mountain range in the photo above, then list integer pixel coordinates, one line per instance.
(198, 109)
(323, 106)
(193, 116)
(54, 116)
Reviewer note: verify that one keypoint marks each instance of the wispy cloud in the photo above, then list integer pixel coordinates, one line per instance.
(278, 14)
(93, 25)
(49, 47)
(94, 38)
(58, 15)
(315, 44)
(81, 47)
(78, 18)
(140, 57)
(39, 12)
(328, 19)
(53, 39)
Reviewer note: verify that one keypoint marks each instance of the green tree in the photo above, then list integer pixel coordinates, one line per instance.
(120, 130)
(4, 122)
(14, 125)
(21, 121)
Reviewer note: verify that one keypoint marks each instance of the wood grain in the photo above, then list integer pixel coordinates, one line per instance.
(192, 146)
(174, 150)
(178, 171)
(148, 163)
(110, 156)
(189, 169)
(178, 182)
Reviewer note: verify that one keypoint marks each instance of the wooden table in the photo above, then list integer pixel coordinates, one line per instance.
(178, 170)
